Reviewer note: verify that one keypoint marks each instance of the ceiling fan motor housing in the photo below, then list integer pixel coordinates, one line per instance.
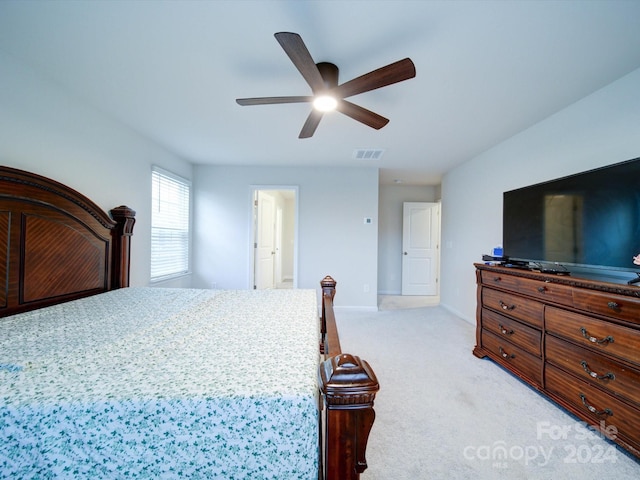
(329, 73)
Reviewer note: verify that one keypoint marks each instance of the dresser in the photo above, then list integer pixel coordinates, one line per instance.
(575, 340)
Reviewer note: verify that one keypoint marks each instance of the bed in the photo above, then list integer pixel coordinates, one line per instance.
(102, 380)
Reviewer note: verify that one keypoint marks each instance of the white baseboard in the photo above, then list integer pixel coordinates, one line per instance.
(458, 314)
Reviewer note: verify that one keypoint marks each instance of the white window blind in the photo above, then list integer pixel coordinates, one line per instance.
(169, 224)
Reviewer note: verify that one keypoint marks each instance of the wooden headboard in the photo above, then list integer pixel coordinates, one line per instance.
(57, 245)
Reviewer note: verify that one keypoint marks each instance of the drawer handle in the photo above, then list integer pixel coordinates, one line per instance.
(591, 373)
(593, 409)
(504, 331)
(506, 307)
(505, 354)
(497, 279)
(542, 289)
(614, 306)
(586, 335)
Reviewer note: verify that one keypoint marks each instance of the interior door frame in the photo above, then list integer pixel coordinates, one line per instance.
(252, 229)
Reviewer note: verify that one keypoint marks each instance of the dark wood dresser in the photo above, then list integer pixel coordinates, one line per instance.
(575, 340)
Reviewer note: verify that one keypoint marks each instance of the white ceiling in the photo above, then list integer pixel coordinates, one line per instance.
(172, 70)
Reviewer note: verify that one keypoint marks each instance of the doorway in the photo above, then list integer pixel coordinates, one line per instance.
(420, 248)
(274, 251)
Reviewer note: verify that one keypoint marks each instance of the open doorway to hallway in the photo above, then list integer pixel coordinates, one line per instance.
(274, 237)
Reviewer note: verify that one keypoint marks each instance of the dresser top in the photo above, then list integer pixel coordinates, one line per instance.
(570, 280)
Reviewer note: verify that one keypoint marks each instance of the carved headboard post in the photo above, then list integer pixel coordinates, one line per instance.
(125, 218)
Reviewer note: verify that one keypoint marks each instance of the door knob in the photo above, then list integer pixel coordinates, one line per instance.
(405, 253)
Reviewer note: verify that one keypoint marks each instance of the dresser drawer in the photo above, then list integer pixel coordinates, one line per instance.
(513, 357)
(608, 304)
(616, 340)
(525, 337)
(499, 280)
(597, 369)
(521, 308)
(545, 291)
(595, 404)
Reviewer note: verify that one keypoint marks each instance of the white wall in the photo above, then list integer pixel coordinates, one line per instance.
(390, 231)
(45, 130)
(332, 237)
(601, 129)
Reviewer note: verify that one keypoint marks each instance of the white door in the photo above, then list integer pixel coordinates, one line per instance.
(265, 248)
(420, 248)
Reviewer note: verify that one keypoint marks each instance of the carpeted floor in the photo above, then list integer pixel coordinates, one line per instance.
(395, 302)
(442, 413)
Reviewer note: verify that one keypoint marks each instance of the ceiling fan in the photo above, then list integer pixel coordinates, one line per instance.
(323, 79)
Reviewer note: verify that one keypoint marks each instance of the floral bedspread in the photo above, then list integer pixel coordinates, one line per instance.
(162, 383)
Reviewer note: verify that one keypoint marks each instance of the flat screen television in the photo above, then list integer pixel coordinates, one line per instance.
(586, 223)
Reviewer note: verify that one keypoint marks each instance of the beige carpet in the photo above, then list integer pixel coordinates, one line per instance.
(444, 414)
(396, 302)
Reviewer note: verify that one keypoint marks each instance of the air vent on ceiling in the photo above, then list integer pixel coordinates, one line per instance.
(368, 153)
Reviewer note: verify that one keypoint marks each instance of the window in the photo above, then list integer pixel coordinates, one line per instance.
(169, 224)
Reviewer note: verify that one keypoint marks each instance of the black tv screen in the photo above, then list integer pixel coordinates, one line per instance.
(590, 219)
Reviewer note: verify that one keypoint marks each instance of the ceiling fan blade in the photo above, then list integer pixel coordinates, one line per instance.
(309, 127)
(272, 100)
(392, 73)
(362, 114)
(294, 47)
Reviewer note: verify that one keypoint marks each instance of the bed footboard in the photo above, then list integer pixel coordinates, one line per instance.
(348, 386)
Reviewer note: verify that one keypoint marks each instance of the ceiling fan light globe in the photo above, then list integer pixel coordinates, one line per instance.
(325, 103)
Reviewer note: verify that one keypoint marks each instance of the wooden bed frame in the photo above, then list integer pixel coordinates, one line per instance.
(56, 245)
